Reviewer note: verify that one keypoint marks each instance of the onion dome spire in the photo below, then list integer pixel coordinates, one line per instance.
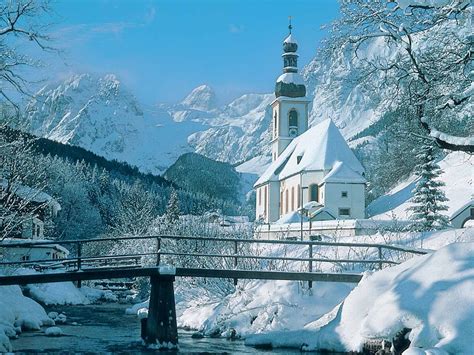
(290, 82)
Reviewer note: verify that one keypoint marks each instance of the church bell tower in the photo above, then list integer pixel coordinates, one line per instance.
(290, 108)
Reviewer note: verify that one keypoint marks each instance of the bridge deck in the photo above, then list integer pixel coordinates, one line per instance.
(114, 273)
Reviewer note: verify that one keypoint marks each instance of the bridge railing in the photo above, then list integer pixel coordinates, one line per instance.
(217, 252)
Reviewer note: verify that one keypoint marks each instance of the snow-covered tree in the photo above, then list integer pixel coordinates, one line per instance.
(418, 53)
(172, 208)
(135, 210)
(20, 21)
(428, 198)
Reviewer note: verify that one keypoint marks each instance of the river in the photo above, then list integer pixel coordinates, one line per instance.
(107, 329)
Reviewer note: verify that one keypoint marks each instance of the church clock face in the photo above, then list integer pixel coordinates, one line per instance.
(293, 132)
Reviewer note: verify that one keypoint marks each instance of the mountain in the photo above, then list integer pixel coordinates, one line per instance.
(103, 116)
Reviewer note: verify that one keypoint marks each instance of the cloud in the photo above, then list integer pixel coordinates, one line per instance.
(112, 27)
(233, 28)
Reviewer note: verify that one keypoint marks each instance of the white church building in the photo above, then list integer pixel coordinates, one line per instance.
(313, 170)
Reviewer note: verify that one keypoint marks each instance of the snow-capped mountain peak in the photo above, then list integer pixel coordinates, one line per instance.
(201, 98)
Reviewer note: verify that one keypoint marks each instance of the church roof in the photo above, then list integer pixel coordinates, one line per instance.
(342, 173)
(290, 39)
(319, 149)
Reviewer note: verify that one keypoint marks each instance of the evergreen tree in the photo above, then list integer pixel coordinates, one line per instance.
(172, 208)
(428, 197)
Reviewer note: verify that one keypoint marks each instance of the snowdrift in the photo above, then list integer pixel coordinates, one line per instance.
(18, 313)
(432, 295)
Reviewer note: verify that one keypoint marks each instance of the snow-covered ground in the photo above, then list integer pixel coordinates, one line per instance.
(458, 175)
(259, 307)
(432, 295)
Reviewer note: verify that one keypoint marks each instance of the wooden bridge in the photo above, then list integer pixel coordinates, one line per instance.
(165, 257)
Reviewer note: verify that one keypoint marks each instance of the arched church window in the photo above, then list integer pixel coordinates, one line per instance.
(292, 198)
(313, 192)
(298, 196)
(293, 123)
(293, 118)
(286, 201)
(275, 117)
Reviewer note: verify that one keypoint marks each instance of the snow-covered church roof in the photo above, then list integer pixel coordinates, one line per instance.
(321, 147)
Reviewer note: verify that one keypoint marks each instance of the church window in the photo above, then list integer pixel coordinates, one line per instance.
(275, 117)
(281, 202)
(292, 198)
(265, 199)
(298, 201)
(286, 201)
(344, 194)
(260, 196)
(293, 118)
(313, 192)
(293, 123)
(345, 212)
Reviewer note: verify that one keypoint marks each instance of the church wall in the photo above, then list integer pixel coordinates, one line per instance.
(301, 109)
(355, 200)
(267, 202)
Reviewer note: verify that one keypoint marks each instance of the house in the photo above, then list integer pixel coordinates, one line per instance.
(28, 252)
(28, 208)
(308, 164)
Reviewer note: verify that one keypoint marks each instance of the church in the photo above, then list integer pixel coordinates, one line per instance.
(313, 170)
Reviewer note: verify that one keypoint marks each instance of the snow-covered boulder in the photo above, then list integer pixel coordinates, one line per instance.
(18, 313)
(53, 332)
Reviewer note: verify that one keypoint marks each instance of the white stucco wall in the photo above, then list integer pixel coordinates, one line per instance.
(282, 108)
(355, 199)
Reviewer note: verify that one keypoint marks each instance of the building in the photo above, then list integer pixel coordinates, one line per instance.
(30, 252)
(28, 208)
(310, 166)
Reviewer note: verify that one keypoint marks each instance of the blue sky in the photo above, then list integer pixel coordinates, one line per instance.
(163, 49)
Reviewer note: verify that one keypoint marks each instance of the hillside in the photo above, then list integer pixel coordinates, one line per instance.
(457, 174)
(195, 172)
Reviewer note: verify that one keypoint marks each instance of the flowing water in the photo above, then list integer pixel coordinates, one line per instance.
(107, 329)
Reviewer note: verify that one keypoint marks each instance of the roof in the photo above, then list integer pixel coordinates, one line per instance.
(289, 78)
(320, 147)
(343, 174)
(31, 194)
(290, 39)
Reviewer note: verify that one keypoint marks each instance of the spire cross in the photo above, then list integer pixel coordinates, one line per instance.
(289, 26)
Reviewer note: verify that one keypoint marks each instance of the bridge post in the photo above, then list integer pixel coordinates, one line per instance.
(161, 326)
(380, 258)
(235, 260)
(79, 262)
(158, 251)
(310, 268)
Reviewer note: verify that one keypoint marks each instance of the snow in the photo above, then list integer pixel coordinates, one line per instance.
(291, 78)
(418, 294)
(201, 98)
(292, 217)
(290, 39)
(53, 332)
(342, 173)
(433, 3)
(458, 170)
(66, 293)
(167, 270)
(320, 147)
(31, 194)
(18, 313)
(257, 165)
